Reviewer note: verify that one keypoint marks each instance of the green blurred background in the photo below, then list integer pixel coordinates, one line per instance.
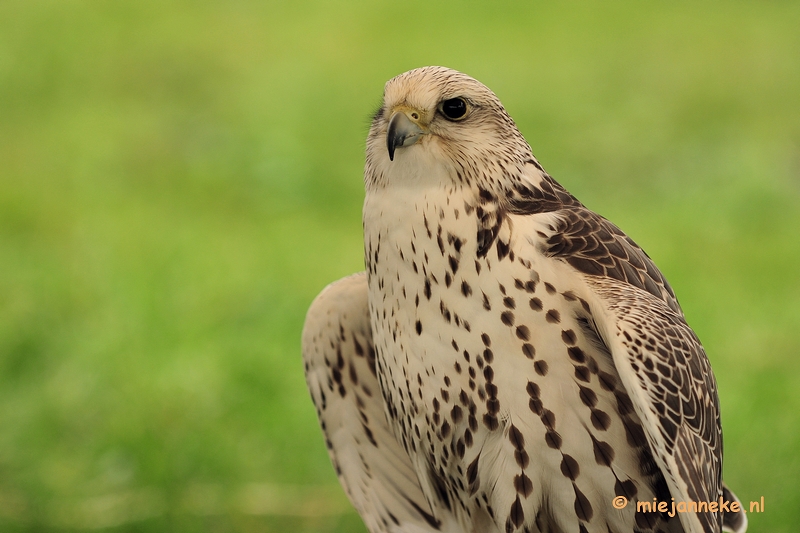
(179, 179)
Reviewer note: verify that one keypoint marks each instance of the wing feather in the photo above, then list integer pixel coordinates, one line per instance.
(666, 373)
(661, 362)
(595, 246)
(372, 466)
(584, 239)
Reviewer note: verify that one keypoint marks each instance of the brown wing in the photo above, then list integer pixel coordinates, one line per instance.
(669, 379)
(587, 241)
(660, 360)
(595, 246)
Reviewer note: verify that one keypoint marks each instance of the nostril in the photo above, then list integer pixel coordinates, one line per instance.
(415, 116)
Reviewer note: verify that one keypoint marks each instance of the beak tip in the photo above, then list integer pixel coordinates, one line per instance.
(391, 142)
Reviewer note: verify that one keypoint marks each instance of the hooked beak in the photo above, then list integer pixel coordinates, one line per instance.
(403, 131)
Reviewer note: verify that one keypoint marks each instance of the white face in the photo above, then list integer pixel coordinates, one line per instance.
(437, 124)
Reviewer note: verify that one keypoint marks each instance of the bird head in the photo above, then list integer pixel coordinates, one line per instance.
(438, 123)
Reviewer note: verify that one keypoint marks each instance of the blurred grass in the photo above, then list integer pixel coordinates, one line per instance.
(178, 180)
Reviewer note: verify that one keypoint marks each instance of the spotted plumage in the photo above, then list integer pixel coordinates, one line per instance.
(510, 361)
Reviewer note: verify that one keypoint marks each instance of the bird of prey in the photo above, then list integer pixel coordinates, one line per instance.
(510, 361)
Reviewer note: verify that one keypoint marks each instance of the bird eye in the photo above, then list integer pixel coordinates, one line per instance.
(454, 108)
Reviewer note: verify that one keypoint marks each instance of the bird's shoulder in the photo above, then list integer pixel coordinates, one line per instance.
(594, 246)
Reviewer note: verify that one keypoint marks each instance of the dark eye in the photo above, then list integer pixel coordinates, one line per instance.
(454, 108)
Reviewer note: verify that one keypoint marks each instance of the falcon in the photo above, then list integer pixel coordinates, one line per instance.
(510, 361)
